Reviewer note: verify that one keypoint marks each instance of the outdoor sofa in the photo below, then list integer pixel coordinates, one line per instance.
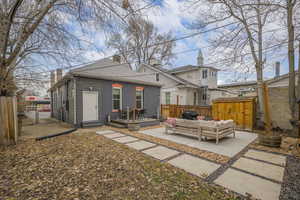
(201, 129)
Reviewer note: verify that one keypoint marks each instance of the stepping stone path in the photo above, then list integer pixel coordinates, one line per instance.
(244, 183)
(125, 139)
(260, 168)
(105, 132)
(258, 177)
(256, 173)
(139, 145)
(113, 135)
(194, 165)
(161, 152)
(268, 157)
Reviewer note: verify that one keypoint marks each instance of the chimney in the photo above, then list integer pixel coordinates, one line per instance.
(58, 74)
(117, 58)
(277, 69)
(154, 62)
(52, 78)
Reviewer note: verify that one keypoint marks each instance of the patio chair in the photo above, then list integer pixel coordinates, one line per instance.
(141, 114)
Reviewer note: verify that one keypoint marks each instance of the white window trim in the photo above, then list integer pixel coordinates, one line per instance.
(121, 100)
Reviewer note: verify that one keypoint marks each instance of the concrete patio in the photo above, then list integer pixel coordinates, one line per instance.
(227, 146)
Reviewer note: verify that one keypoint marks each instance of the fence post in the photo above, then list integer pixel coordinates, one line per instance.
(36, 118)
(8, 121)
(15, 112)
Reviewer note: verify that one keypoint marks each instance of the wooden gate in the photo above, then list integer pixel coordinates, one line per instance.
(240, 109)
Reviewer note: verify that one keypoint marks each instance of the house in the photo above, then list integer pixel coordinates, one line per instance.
(185, 85)
(97, 92)
(278, 96)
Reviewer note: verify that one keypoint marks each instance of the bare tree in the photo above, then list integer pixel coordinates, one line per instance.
(41, 31)
(245, 34)
(142, 43)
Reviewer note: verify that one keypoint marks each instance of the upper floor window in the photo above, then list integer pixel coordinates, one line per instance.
(168, 97)
(157, 76)
(204, 94)
(204, 73)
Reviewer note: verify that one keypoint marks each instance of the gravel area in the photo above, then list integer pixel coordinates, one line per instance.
(290, 188)
(83, 165)
(181, 147)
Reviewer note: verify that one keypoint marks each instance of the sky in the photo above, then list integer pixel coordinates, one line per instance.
(176, 17)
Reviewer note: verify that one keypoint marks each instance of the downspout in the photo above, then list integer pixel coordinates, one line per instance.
(75, 105)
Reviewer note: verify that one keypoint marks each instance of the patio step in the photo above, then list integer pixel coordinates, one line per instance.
(116, 125)
(90, 124)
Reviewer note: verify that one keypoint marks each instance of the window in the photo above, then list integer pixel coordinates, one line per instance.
(117, 98)
(168, 97)
(204, 94)
(157, 76)
(195, 98)
(204, 73)
(139, 93)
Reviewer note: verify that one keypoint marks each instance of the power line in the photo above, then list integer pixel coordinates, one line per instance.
(172, 40)
(211, 63)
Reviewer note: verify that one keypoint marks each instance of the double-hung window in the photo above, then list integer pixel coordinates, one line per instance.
(117, 98)
(139, 93)
(168, 98)
(204, 73)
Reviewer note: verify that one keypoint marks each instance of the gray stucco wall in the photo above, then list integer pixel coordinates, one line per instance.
(104, 88)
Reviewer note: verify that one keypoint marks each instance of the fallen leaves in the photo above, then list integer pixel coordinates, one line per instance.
(89, 166)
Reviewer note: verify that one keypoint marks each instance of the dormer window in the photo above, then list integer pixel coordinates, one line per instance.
(204, 73)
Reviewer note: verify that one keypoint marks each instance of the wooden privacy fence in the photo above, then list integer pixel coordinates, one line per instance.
(240, 109)
(8, 120)
(176, 111)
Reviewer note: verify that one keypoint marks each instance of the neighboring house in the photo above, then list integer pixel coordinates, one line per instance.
(185, 85)
(278, 96)
(96, 91)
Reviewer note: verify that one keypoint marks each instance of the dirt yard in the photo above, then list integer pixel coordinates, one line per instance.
(83, 165)
(45, 127)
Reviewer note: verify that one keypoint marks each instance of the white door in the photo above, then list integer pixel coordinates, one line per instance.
(90, 105)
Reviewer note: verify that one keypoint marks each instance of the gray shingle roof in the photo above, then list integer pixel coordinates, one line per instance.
(172, 76)
(188, 68)
(109, 70)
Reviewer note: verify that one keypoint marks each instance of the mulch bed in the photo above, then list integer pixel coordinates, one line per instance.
(89, 166)
(181, 147)
(290, 188)
(288, 146)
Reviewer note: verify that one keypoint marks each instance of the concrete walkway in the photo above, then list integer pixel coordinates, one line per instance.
(256, 172)
(227, 146)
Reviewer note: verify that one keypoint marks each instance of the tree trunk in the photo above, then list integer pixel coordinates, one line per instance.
(259, 70)
(260, 94)
(291, 59)
(298, 83)
(7, 82)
